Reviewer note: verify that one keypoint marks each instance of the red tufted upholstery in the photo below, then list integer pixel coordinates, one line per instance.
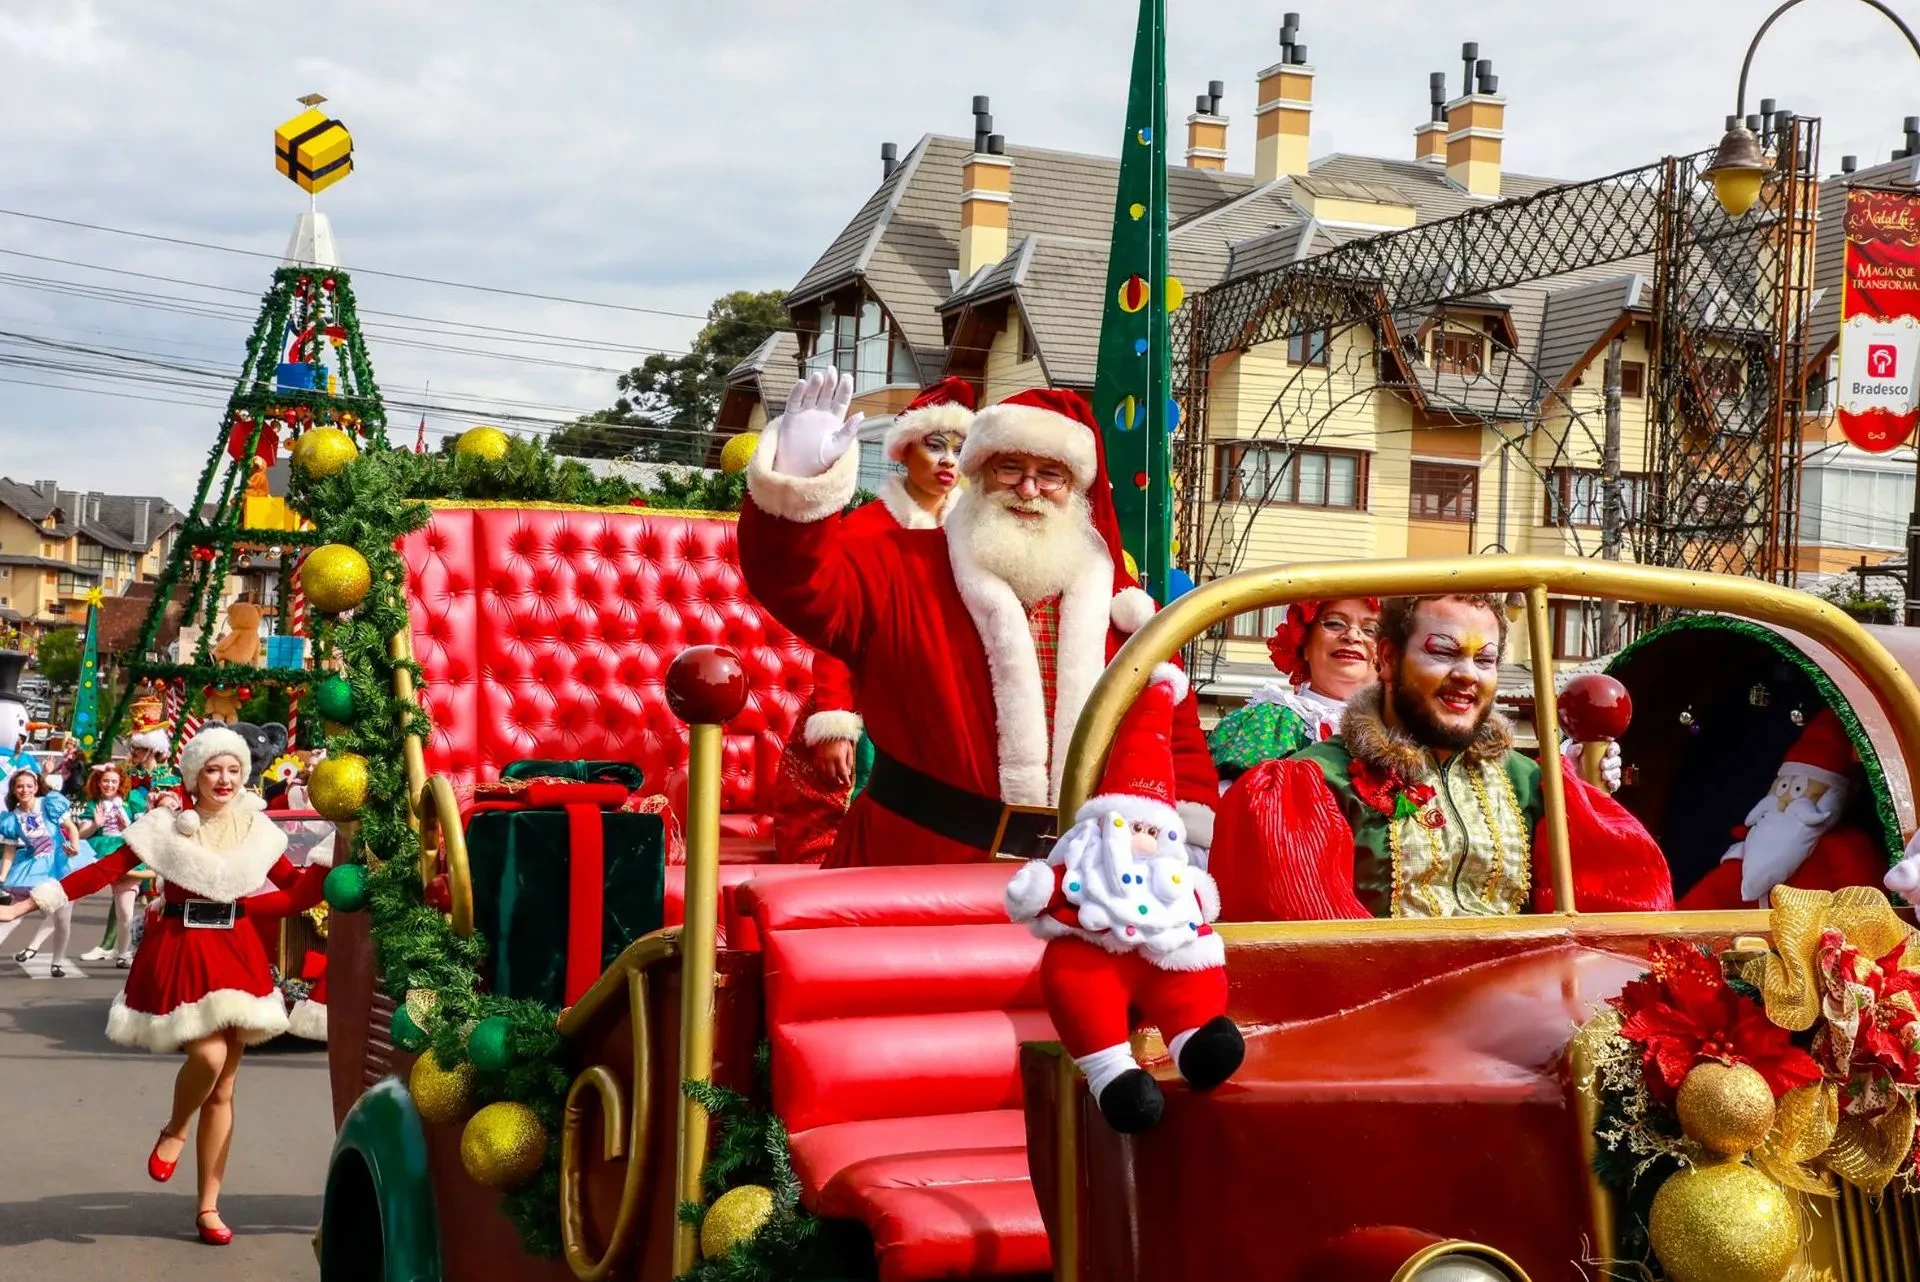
(547, 633)
(897, 999)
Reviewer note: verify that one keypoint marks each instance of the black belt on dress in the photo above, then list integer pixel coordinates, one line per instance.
(985, 823)
(179, 908)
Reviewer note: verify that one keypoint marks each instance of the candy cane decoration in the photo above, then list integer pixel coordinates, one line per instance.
(297, 621)
(185, 724)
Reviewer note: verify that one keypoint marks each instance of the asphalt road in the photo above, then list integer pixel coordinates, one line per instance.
(78, 1116)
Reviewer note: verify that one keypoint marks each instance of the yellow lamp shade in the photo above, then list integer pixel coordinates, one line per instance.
(1737, 189)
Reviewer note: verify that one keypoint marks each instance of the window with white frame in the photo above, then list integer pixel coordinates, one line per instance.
(859, 339)
(1864, 507)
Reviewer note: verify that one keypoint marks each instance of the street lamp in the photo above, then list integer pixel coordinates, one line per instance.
(1739, 167)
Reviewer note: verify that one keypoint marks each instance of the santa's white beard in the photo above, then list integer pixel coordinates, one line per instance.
(1779, 841)
(1034, 558)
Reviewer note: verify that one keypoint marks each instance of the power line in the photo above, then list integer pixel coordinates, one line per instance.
(357, 271)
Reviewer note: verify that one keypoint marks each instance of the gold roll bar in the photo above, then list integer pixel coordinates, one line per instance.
(1546, 729)
(698, 940)
(1188, 617)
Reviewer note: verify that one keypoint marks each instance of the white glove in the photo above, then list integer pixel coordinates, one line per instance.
(814, 430)
(1609, 764)
(1030, 889)
(1903, 878)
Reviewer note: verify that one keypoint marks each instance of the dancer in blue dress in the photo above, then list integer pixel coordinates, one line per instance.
(39, 842)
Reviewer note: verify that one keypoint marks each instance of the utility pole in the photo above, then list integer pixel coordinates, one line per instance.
(1613, 514)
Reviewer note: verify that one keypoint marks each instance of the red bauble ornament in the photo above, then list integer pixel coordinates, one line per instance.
(439, 894)
(206, 692)
(1595, 707)
(706, 685)
(327, 284)
(245, 693)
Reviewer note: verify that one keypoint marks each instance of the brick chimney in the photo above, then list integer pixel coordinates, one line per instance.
(1283, 118)
(1430, 137)
(986, 194)
(1207, 130)
(1476, 123)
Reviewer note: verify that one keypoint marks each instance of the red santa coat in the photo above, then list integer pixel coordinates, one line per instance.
(942, 655)
(1847, 856)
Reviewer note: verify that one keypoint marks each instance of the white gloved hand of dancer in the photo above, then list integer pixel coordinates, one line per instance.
(1609, 764)
(1903, 878)
(814, 430)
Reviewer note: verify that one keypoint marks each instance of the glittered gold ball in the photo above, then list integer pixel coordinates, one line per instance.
(335, 577)
(503, 1145)
(324, 451)
(489, 443)
(441, 1094)
(338, 786)
(738, 452)
(734, 1217)
(1723, 1223)
(1725, 1108)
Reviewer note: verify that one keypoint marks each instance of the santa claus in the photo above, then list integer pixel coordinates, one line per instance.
(817, 770)
(1796, 835)
(1128, 922)
(974, 645)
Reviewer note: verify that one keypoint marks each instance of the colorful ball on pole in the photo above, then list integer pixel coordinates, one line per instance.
(338, 786)
(324, 451)
(503, 1145)
(735, 1217)
(346, 888)
(441, 1094)
(488, 443)
(335, 578)
(333, 699)
(738, 452)
(490, 1044)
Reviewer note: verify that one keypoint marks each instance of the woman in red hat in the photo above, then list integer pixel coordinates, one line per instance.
(200, 982)
(1325, 652)
(818, 777)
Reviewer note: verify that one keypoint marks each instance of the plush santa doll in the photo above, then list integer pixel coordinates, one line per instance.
(1127, 919)
(1794, 835)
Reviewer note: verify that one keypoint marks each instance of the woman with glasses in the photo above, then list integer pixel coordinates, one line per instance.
(1325, 651)
(824, 767)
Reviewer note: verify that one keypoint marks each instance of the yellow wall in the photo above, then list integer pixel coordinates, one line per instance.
(1006, 374)
(1571, 435)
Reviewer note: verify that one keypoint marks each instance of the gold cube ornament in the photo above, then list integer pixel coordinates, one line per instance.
(314, 151)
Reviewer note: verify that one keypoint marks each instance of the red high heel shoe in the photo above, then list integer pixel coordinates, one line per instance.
(212, 1236)
(157, 1170)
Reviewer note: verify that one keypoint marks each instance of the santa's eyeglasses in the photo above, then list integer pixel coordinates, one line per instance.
(1048, 480)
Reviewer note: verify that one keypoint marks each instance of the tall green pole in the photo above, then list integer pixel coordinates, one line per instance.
(1133, 384)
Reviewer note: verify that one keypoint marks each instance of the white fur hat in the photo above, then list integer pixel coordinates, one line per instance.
(947, 407)
(212, 741)
(154, 741)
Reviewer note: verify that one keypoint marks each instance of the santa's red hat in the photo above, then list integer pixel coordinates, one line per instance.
(1138, 781)
(1823, 752)
(1059, 425)
(947, 406)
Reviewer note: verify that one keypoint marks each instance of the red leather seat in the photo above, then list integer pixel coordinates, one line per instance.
(547, 632)
(897, 999)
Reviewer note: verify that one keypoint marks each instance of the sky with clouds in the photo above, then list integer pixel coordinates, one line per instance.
(654, 155)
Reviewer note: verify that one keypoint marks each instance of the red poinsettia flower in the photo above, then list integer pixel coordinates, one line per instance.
(1384, 790)
(1683, 1012)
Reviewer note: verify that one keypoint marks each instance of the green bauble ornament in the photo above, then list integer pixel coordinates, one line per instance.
(490, 1044)
(333, 699)
(407, 1035)
(346, 888)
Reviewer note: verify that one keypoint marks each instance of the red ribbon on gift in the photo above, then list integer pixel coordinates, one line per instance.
(586, 869)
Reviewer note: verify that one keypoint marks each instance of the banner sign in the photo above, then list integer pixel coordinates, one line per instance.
(1879, 392)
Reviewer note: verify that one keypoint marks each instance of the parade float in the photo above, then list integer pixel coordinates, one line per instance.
(581, 1027)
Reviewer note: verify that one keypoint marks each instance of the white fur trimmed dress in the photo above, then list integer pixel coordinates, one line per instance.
(185, 982)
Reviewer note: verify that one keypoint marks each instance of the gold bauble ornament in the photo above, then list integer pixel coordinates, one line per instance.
(324, 451)
(441, 1094)
(1727, 1109)
(335, 577)
(734, 1217)
(738, 452)
(338, 786)
(1724, 1222)
(503, 1145)
(489, 443)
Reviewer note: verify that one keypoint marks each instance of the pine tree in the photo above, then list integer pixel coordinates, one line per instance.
(1133, 383)
(306, 367)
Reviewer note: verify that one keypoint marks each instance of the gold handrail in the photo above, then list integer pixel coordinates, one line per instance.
(1188, 617)
(433, 808)
(627, 1134)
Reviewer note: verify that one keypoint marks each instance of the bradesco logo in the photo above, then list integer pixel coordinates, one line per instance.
(1883, 369)
(1883, 360)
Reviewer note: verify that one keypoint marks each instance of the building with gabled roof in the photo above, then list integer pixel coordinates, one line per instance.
(57, 545)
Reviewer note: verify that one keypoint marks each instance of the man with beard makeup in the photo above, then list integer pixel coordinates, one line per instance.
(1421, 807)
(973, 646)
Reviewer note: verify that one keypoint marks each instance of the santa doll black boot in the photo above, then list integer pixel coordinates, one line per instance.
(1209, 1054)
(1132, 1102)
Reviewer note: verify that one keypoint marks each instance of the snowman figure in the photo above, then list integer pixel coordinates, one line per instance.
(1127, 916)
(13, 715)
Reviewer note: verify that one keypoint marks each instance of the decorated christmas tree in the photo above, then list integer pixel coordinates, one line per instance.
(86, 694)
(1132, 390)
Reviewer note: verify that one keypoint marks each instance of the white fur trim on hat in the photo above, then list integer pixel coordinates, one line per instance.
(151, 740)
(1132, 607)
(1134, 809)
(823, 727)
(803, 499)
(1169, 674)
(212, 741)
(1814, 773)
(917, 425)
(1028, 429)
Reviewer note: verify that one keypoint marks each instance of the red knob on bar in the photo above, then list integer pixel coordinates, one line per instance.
(1595, 707)
(706, 686)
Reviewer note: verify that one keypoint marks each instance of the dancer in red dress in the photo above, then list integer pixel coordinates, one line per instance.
(200, 982)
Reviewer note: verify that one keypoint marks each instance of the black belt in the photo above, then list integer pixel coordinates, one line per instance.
(985, 823)
(179, 909)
